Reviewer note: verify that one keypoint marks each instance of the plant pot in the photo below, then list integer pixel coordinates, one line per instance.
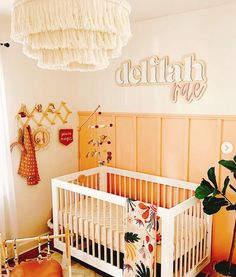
(224, 268)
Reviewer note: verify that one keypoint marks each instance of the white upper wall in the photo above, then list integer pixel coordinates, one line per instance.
(27, 84)
(209, 33)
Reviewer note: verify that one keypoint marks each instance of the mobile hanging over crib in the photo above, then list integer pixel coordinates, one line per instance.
(94, 203)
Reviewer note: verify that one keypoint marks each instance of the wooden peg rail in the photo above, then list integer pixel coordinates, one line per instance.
(49, 115)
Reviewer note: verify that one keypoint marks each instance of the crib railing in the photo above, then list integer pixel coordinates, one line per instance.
(159, 193)
(98, 221)
(163, 192)
(185, 229)
(188, 230)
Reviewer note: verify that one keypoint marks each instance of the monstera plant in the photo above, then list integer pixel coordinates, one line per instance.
(214, 199)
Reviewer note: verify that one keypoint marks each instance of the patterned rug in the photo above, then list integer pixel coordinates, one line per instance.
(77, 269)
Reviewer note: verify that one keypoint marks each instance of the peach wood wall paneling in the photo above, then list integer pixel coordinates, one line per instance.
(181, 147)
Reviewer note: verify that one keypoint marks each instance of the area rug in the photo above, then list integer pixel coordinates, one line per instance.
(77, 269)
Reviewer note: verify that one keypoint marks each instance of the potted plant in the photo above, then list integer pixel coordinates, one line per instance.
(214, 199)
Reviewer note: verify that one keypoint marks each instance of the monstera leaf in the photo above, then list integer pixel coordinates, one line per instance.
(142, 271)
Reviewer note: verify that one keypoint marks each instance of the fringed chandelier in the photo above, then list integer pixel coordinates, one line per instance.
(71, 35)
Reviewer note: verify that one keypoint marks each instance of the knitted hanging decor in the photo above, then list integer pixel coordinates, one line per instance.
(80, 35)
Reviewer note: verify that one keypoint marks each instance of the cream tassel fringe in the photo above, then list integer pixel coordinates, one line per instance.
(71, 34)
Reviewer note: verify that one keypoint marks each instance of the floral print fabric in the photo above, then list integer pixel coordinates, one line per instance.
(140, 239)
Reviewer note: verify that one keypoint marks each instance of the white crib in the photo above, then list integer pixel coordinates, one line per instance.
(94, 204)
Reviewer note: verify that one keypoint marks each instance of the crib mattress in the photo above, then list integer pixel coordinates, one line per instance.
(108, 228)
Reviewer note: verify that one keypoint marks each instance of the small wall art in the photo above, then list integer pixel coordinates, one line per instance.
(66, 136)
(42, 137)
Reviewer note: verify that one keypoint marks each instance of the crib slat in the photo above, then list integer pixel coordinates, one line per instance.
(105, 231)
(206, 236)
(194, 234)
(70, 217)
(130, 187)
(125, 187)
(198, 233)
(185, 194)
(81, 221)
(93, 226)
(118, 236)
(76, 221)
(152, 193)
(119, 180)
(177, 196)
(115, 188)
(61, 213)
(185, 241)
(181, 244)
(190, 245)
(109, 182)
(146, 189)
(136, 189)
(176, 245)
(99, 230)
(111, 233)
(164, 201)
(141, 190)
(170, 197)
(158, 194)
(123, 230)
(66, 211)
(202, 226)
(87, 223)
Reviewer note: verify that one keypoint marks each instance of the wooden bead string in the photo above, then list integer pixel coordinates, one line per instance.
(6, 257)
(16, 258)
(48, 248)
(40, 257)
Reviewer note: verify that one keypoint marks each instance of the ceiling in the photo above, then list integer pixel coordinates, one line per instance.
(147, 9)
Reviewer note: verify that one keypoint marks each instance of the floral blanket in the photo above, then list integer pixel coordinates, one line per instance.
(140, 239)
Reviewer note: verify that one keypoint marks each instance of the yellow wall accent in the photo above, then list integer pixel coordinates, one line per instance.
(174, 146)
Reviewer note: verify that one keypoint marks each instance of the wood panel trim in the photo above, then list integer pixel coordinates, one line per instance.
(187, 154)
(218, 147)
(187, 148)
(195, 116)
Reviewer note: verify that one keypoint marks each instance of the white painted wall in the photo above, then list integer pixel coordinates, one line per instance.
(25, 83)
(209, 33)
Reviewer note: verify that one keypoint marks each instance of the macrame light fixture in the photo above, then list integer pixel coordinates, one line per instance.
(72, 35)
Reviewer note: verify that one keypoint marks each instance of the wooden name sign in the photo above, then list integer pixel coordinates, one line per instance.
(187, 78)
